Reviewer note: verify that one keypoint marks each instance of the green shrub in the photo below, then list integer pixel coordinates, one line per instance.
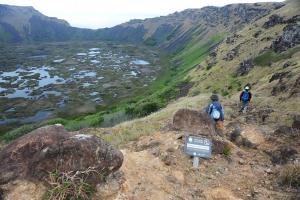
(227, 151)
(11, 135)
(225, 93)
(88, 121)
(143, 108)
(269, 57)
(71, 125)
(148, 107)
(265, 59)
(208, 67)
(150, 41)
(169, 94)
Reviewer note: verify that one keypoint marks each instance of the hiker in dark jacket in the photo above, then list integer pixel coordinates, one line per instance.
(245, 99)
(216, 111)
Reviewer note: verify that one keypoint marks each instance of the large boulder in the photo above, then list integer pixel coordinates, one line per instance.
(194, 122)
(289, 38)
(50, 149)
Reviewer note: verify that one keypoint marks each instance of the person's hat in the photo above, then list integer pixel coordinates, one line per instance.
(247, 88)
(214, 97)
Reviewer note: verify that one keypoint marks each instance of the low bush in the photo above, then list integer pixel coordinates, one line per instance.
(269, 57)
(290, 176)
(143, 108)
(150, 41)
(227, 151)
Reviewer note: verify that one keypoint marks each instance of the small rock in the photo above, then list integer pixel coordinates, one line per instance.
(296, 122)
(271, 188)
(155, 152)
(269, 171)
(289, 63)
(255, 191)
(171, 150)
(245, 67)
(168, 159)
(284, 130)
(230, 40)
(172, 179)
(179, 176)
(257, 34)
(241, 162)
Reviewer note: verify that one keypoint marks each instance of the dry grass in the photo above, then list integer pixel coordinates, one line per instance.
(290, 176)
(220, 78)
(70, 185)
(132, 130)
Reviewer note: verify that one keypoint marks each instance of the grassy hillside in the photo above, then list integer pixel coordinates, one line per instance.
(175, 31)
(221, 76)
(190, 70)
(25, 24)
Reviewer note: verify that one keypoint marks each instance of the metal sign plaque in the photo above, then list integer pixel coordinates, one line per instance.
(198, 146)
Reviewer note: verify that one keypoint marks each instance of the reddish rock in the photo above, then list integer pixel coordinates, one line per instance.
(51, 148)
(198, 123)
(194, 122)
(219, 145)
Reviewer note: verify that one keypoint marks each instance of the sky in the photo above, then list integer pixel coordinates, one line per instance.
(107, 13)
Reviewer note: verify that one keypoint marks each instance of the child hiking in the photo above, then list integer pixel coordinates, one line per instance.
(245, 99)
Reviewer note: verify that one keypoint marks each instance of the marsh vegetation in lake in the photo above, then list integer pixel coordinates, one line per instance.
(39, 81)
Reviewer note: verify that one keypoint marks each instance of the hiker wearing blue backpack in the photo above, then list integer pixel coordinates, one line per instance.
(245, 99)
(216, 111)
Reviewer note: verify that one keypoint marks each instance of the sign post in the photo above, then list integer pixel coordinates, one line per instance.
(198, 147)
(195, 162)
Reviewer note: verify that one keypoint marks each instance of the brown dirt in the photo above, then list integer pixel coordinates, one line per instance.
(156, 168)
(247, 174)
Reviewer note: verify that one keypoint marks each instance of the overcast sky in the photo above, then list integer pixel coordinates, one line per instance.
(107, 13)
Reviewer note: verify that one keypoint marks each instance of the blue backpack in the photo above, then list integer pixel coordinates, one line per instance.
(215, 112)
(245, 96)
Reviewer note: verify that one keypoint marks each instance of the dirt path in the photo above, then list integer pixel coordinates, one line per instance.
(155, 167)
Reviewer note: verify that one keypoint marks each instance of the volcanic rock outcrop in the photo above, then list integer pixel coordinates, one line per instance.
(52, 148)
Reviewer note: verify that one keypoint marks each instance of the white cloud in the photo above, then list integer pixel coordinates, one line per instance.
(107, 13)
